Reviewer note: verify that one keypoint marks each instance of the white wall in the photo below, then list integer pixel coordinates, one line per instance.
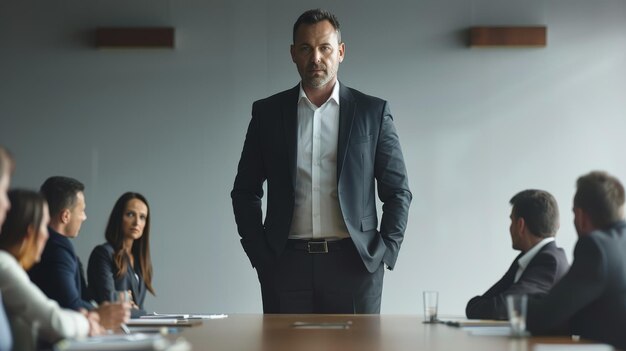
(476, 125)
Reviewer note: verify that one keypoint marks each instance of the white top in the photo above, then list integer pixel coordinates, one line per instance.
(31, 313)
(529, 255)
(317, 214)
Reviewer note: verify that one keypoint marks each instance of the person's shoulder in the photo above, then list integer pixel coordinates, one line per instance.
(552, 255)
(551, 249)
(104, 246)
(56, 245)
(7, 260)
(285, 95)
(351, 93)
(105, 249)
(10, 270)
(608, 237)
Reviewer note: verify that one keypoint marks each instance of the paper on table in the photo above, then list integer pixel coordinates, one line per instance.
(572, 347)
(150, 329)
(175, 315)
(164, 322)
(164, 316)
(489, 331)
(209, 316)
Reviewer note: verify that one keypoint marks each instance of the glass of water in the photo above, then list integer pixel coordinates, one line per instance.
(516, 309)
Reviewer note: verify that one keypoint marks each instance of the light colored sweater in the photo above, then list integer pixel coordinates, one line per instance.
(31, 313)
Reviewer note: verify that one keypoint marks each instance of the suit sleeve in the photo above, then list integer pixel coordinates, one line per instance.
(100, 273)
(583, 283)
(484, 306)
(247, 194)
(393, 188)
(538, 278)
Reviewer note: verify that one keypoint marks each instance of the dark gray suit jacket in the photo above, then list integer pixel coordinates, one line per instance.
(103, 279)
(590, 300)
(545, 269)
(368, 151)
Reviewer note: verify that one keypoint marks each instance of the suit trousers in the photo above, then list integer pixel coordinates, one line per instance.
(333, 282)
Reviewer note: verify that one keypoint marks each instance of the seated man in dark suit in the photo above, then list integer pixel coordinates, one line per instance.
(534, 223)
(590, 300)
(60, 274)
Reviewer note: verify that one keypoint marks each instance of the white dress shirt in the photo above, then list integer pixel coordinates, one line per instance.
(31, 313)
(529, 255)
(317, 214)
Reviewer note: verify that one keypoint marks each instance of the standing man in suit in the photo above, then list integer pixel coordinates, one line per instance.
(590, 300)
(322, 148)
(540, 265)
(60, 274)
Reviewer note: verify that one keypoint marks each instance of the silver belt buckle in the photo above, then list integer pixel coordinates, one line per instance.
(317, 247)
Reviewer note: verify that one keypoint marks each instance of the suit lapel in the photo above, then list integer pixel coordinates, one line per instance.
(510, 274)
(347, 108)
(290, 122)
(134, 288)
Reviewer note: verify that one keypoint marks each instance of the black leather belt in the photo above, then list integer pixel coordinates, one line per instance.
(319, 246)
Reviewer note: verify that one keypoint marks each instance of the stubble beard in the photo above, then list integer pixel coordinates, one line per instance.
(319, 82)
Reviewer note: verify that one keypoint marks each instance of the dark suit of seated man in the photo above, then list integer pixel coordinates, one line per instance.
(590, 300)
(534, 223)
(60, 274)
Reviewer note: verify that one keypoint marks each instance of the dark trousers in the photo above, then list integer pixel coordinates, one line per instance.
(334, 282)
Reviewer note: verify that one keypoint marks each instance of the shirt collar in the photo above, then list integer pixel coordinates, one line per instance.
(530, 254)
(333, 96)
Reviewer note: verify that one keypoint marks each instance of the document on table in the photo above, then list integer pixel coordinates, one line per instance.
(156, 315)
(174, 322)
(488, 331)
(151, 329)
(572, 347)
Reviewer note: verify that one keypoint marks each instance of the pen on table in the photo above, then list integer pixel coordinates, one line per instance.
(123, 326)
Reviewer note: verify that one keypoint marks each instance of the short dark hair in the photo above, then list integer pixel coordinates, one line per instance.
(60, 192)
(315, 16)
(6, 161)
(600, 195)
(539, 210)
(26, 209)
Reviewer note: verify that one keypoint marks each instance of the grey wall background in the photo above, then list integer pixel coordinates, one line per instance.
(477, 125)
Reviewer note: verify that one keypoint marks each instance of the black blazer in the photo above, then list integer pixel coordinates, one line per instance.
(60, 274)
(545, 269)
(103, 280)
(590, 300)
(368, 151)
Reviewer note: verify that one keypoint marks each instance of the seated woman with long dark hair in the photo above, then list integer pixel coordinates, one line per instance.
(123, 263)
(31, 313)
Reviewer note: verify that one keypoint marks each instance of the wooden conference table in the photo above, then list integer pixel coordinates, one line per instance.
(366, 332)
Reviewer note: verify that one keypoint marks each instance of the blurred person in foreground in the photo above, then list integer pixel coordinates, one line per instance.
(32, 315)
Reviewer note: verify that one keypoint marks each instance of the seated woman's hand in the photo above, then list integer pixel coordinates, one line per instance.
(112, 315)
